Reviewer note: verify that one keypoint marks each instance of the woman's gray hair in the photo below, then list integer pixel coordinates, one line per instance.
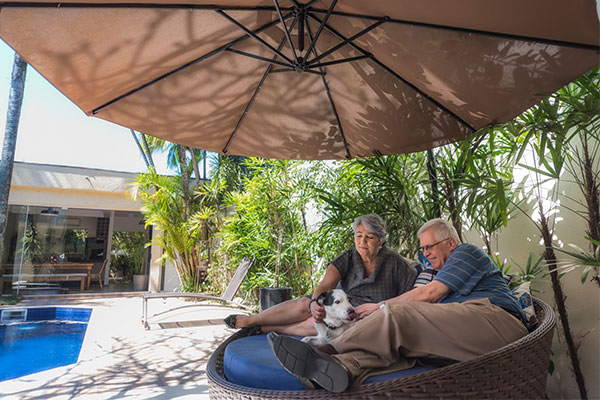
(442, 229)
(373, 223)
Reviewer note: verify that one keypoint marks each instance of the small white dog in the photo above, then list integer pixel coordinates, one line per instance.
(338, 313)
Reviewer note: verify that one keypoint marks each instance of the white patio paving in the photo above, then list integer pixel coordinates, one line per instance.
(119, 359)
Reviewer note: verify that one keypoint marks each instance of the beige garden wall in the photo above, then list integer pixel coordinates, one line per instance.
(514, 244)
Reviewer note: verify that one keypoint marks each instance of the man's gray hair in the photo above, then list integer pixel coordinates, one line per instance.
(442, 229)
(373, 223)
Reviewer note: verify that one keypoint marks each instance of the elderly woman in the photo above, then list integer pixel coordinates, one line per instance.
(370, 273)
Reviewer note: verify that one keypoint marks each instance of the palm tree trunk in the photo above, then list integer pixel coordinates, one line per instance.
(13, 115)
(434, 183)
(142, 153)
(279, 249)
(592, 198)
(448, 186)
(204, 164)
(195, 165)
(148, 152)
(184, 179)
(487, 239)
(559, 299)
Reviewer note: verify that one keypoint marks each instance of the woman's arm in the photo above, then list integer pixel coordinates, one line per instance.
(330, 280)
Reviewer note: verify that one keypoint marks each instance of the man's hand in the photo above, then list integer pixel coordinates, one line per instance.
(365, 309)
(317, 310)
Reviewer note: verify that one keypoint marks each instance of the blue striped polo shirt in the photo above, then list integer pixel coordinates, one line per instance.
(471, 274)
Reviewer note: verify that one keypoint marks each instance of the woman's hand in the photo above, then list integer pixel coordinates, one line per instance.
(366, 309)
(317, 311)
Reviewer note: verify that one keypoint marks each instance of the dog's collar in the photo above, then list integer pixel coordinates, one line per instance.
(331, 327)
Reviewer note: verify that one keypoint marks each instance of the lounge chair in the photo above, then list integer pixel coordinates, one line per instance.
(227, 296)
(518, 371)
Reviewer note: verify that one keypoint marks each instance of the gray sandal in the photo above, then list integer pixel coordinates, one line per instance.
(230, 321)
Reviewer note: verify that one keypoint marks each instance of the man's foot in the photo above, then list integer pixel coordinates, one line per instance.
(304, 361)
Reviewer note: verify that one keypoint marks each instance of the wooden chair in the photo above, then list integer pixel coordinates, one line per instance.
(99, 274)
(227, 296)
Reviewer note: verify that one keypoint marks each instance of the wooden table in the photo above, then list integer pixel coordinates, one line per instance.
(77, 266)
(49, 271)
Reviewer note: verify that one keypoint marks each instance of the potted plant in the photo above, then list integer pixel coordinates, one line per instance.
(268, 224)
(270, 296)
(128, 257)
(136, 254)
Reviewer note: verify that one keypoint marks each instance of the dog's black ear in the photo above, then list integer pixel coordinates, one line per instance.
(326, 298)
(321, 298)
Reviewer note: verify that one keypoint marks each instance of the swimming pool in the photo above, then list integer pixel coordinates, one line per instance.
(46, 338)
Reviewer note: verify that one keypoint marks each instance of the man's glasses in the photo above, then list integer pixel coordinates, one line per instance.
(431, 246)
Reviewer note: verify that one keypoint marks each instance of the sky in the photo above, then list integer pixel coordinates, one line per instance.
(53, 130)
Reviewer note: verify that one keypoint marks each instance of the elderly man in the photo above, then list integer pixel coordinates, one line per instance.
(465, 311)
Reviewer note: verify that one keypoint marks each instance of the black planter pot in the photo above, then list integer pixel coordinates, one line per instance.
(271, 296)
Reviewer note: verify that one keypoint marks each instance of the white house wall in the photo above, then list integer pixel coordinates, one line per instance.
(172, 282)
(35, 196)
(81, 190)
(71, 187)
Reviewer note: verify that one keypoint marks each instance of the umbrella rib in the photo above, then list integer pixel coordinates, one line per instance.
(350, 39)
(345, 60)
(323, 23)
(260, 84)
(301, 17)
(285, 30)
(308, 71)
(254, 35)
(270, 61)
(331, 102)
(391, 71)
(510, 36)
(195, 61)
(169, 6)
(12, 4)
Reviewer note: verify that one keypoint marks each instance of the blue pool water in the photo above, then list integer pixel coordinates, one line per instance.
(48, 339)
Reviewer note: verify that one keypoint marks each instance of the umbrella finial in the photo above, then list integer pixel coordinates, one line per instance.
(300, 65)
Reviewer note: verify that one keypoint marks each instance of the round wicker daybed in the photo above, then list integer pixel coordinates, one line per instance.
(516, 371)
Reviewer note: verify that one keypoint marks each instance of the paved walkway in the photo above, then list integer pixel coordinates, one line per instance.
(121, 360)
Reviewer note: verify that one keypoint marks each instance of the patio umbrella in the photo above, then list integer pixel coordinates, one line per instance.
(305, 79)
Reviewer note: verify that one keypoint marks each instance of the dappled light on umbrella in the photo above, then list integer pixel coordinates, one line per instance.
(305, 80)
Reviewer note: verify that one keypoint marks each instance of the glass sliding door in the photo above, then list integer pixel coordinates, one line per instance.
(49, 250)
(34, 246)
(13, 254)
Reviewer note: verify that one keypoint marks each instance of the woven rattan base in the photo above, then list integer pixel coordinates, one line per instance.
(515, 371)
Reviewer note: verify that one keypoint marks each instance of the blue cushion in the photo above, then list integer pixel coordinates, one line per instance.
(250, 362)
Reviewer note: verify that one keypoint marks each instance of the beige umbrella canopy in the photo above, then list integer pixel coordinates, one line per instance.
(305, 79)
